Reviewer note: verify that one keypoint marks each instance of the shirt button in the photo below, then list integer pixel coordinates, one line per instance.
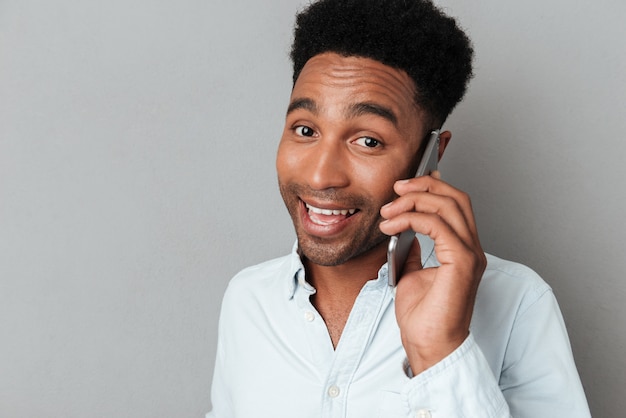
(333, 391)
(309, 316)
(423, 413)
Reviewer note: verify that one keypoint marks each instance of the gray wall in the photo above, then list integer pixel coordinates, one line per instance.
(137, 145)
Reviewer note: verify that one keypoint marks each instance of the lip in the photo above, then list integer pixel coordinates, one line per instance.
(323, 229)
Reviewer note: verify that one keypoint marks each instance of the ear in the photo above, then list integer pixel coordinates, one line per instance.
(444, 140)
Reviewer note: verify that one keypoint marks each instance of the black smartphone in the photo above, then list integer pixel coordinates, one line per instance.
(399, 245)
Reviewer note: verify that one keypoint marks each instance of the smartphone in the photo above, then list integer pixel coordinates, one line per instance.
(399, 245)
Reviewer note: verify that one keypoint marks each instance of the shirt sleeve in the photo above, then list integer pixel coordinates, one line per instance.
(220, 397)
(538, 378)
(461, 385)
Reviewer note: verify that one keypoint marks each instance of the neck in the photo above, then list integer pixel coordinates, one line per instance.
(337, 287)
(349, 276)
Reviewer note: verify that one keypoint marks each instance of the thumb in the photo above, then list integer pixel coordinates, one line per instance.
(414, 259)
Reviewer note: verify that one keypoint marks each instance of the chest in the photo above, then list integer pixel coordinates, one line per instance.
(335, 318)
(295, 365)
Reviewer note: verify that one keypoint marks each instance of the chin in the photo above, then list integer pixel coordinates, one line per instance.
(335, 254)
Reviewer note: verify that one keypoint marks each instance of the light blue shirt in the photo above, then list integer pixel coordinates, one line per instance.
(275, 357)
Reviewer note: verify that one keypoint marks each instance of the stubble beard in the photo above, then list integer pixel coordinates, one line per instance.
(329, 252)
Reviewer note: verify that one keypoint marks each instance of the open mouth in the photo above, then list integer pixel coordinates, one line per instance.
(322, 216)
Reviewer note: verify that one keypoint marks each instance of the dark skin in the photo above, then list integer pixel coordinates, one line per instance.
(352, 132)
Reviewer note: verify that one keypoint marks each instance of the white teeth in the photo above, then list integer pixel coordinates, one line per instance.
(336, 212)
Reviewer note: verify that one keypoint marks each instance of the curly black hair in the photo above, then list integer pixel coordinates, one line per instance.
(410, 35)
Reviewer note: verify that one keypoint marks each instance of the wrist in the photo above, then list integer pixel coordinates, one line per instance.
(421, 357)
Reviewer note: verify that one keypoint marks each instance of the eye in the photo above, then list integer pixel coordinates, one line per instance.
(368, 142)
(304, 131)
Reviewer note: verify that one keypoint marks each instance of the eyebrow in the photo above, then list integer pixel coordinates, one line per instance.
(359, 109)
(353, 111)
(306, 104)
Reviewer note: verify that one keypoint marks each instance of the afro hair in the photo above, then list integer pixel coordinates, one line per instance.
(410, 35)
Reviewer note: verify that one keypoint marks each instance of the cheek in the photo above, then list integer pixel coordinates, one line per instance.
(376, 181)
(285, 161)
(383, 176)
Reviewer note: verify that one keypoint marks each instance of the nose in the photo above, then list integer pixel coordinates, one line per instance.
(327, 165)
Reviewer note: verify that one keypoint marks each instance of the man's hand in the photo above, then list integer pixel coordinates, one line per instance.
(434, 305)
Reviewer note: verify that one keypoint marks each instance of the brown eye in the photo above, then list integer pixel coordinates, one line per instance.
(304, 131)
(368, 142)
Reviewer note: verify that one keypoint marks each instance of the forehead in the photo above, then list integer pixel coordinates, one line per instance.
(332, 81)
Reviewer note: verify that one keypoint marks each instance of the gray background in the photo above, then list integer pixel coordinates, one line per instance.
(137, 143)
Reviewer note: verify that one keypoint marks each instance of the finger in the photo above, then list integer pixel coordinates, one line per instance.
(446, 239)
(438, 187)
(443, 206)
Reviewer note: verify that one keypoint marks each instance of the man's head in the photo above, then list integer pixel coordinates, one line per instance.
(411, 35)
(371, 79)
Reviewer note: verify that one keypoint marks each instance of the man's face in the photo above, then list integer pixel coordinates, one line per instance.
(352, 130)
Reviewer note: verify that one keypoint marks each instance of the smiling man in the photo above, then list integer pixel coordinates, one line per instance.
(319, 333)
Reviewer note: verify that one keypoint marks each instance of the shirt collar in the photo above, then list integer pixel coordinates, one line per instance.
(295, 272)
(296, 276)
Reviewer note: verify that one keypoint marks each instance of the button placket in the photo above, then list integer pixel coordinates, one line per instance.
(333, 391)
(309, 316)
(423, 413)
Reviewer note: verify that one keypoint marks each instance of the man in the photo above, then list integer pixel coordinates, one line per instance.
(319, 333)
